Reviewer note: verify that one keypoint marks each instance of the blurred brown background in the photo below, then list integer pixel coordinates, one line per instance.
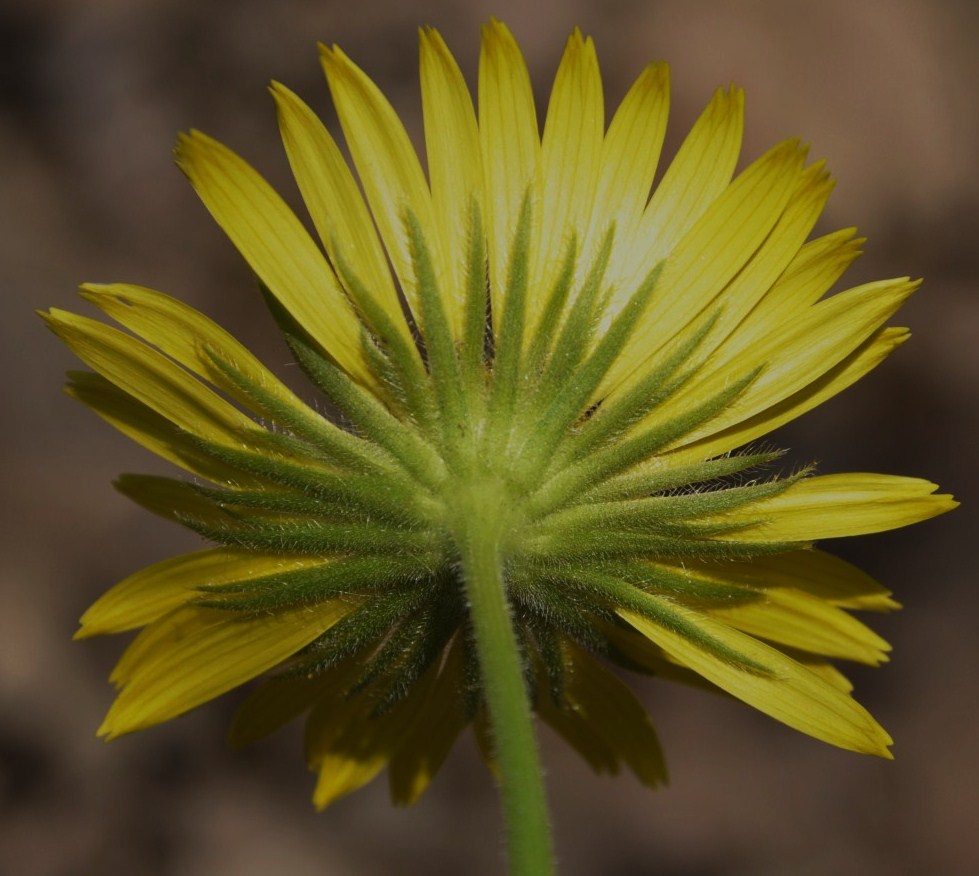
(92, 93)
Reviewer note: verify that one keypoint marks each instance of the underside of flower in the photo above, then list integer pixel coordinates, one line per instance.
(559, 373)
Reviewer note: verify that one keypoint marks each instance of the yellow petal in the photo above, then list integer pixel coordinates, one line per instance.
(510, 147)
(151, 378)
(630, 155)
(837, 505)
(791, 356)
(571, 150)
(655, 660)
(826, 671)
(148, 428)
(698, 174)
(275, 703)
(454, 162)
(188, 336)
(861, 361)
(346, 743)
(276, 246)
(790, 617)
(774, 257)
(712, 252)
(580, 735)
(342, 772)
(343, 744)
(195, 654)
(150, 593)
(604, 721)
(174, 500)
(426, 740)
(333, 199)
(639, 649)
(811, 274)
(822, 575)
(388, 166)
(786, 691)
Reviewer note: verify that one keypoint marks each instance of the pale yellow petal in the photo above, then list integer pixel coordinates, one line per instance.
(654, 660)
(784, 689)
(276, 246)
(195, 654)
(641, 650)
(455, 165)
(811, 274)
(630, 155)
(347, 743)
(827, 672)
(150, 593)
(791, 356)
(571, 151)
(191, 339)
(174, 500)
(149, 429)
(345, 746)
(335, 204)
(786, 601)
(816, 572)
(861, 361)
(579, 734)
(151, 378)
(711, 254)
(838, 505)
(509, 144)
(340, 773)
(698, 174)
(799, 620)
(390, 172)
(772, 259)
(735, 306)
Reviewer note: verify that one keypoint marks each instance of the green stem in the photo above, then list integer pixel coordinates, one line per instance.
(521, 780)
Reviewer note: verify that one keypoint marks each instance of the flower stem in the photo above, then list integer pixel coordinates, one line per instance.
(515, 745)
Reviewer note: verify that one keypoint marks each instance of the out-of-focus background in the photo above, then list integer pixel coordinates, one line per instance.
(92, 93)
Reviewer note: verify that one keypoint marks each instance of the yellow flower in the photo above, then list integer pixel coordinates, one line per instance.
(539, 369)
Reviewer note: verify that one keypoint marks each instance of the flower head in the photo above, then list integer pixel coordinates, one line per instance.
(535, 364)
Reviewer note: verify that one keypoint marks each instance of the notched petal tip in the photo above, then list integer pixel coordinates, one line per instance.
(498, 38)
(727, 100)
(279, 90)
(335, 61)
(63, 323)
(655, 76)
(192, 151)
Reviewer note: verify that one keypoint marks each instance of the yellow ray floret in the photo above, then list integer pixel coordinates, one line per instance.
(195, 654)
(838, 505)
(152, 379)
(147, 595)
(275, 244)
(570, 156)
(780, 687)
(510, 147)
(391, 174)
(630, 154)
(696, 177)
(336, 206)
(455, 166)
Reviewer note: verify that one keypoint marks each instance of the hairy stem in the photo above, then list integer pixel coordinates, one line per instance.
(480, 534)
